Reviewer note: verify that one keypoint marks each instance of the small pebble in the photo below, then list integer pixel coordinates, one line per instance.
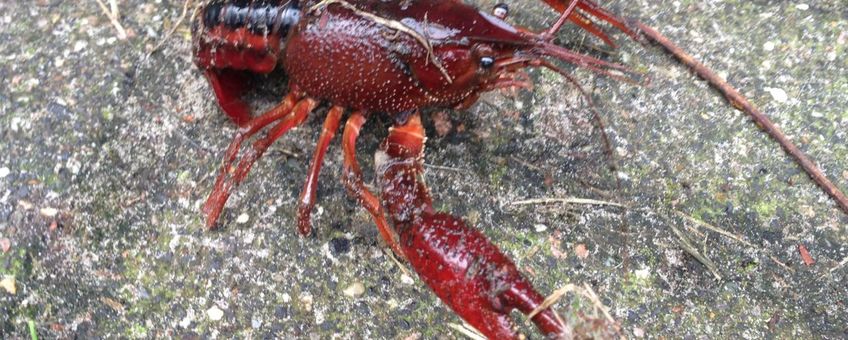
(8, 284)
(306, 301)
(339, 246)
(769, 46)
(5, 244)
(638, 332)
(802, 7)
(405, 279)
(354, 290)
(48, 212)
(540, 228)
(4, 171)
(779, 95)
(215, 313)
(25, 205)
(242, 219)
(643, 273)
(581, 251)
(845, 174)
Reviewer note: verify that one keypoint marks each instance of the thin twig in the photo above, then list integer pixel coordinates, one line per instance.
(446, 168)
(552, 299)
(840, 265)
(734, 237)
(689, 248)
(740, 102)
(715, 229)
(590, 293)
(403, 269)
(467, 330)
(173, 29)
(568, 200)
(113, 14)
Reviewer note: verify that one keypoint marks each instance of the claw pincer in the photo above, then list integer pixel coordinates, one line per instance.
(463, 268)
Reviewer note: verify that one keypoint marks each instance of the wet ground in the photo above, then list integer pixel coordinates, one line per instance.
(107, 155)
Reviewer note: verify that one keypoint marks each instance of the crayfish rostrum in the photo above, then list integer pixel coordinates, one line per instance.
(394, 58)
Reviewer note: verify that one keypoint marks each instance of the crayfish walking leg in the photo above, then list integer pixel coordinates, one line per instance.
(463, 268)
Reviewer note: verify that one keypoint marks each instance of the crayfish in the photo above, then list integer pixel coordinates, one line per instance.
(397, 58)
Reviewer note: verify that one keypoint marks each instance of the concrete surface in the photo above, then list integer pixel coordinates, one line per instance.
(106, 156)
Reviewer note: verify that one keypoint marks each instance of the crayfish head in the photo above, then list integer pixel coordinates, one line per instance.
(471, 51)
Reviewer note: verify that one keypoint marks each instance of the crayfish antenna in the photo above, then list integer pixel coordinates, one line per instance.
(594, 64)
(592, 9)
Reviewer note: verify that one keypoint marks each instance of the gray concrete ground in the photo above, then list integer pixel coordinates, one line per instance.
(106, 156)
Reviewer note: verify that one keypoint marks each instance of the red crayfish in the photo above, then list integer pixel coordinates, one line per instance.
(394, 58)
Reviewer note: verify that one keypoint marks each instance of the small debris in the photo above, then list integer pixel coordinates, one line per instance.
(4, 171)
(354, 290)
(8, 284)
(769, 46)
(774, 320)
(243, 218)
(26, 205)
(638, 332)
(306, 300)
(442, 122)
(215, 313)
(805, 255)
(53, 226)
(540, 228)
(112, 303)
(5, 244)
(48, 212)
(779, 95)
(845, 174)
(802, 7)
(406, 279)
(581, 251)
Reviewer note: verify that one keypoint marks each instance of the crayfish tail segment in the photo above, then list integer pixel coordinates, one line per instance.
(307, 195)
(469, 273)
(287, 115)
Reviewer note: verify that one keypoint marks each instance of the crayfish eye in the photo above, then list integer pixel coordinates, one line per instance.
(501, 10)
(487, 62)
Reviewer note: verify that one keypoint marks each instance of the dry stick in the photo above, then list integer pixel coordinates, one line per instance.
(689, 248)
(467, 330)
(177, 25)
(113, 16)
(738, 101)
(570, 200)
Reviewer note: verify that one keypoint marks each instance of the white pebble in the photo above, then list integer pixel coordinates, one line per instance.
(8, 284)
(4, 171)
(354, 290)
(405, 279)
(769, 46)
(215, 313)
(48, 212)
(779, 95)
(802, 7)
(540, 228)
(80, 45)
(242, 219)
(643, 273)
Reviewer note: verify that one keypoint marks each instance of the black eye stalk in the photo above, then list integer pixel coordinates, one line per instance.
(487, 62)
(501, 11)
